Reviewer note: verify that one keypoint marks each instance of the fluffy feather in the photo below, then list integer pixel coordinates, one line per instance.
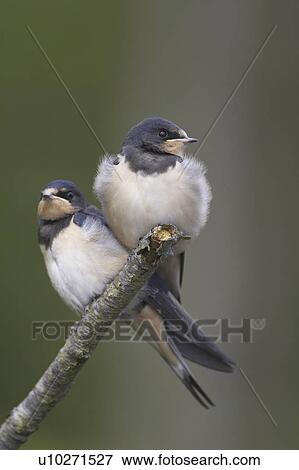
(82, 260)
(135, 202)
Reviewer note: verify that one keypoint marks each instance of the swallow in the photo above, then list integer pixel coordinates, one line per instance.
(151, 181)
(82, 256)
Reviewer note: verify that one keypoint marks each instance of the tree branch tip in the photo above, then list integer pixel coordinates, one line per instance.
(168, 232)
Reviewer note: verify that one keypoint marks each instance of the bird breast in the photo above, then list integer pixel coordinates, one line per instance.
(134, 202)
(81, 261)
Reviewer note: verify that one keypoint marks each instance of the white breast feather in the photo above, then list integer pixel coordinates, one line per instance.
(134, 202)
(81, 261)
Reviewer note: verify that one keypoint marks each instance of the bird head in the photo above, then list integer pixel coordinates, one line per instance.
(60, 199)
(158, 135)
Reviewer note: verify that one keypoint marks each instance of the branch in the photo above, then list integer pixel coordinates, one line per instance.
(85, 335)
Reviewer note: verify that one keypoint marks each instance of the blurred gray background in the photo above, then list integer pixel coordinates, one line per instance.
(124, 61)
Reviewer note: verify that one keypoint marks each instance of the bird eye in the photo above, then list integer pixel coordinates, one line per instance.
(69, 195)
(163, 133)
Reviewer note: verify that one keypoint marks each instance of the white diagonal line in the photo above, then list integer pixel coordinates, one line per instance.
(231, 96)
(258, 397)
(67, 90)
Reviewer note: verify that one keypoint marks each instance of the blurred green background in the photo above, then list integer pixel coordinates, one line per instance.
(124, 61)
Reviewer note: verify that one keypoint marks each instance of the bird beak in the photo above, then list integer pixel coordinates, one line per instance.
(47, 197)
(188, 140)
(183, 140)
(177, 146)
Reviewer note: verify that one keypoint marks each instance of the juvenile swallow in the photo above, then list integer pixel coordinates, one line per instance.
(153, 181)
(82, 255)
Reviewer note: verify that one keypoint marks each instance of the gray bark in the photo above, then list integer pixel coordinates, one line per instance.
(85, 334)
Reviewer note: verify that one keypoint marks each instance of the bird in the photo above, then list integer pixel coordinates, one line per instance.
(151, 181)
(82, 256)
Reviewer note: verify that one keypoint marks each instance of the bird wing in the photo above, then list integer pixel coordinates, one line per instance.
(89, 212)
(149, 327)
(172, 272)
(185, 333)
